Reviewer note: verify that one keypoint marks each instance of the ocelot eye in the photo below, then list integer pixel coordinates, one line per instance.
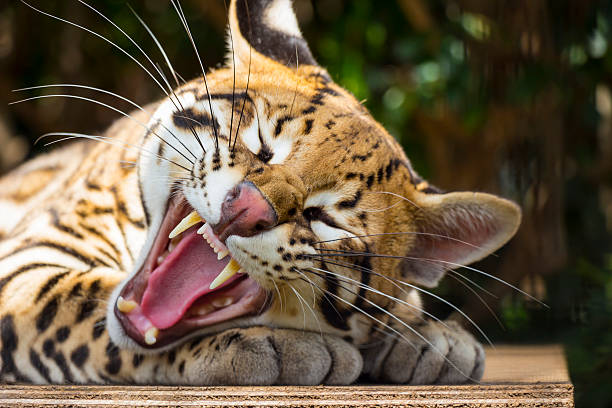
(312, 213)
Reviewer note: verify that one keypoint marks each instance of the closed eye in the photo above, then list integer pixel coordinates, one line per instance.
(319, 214)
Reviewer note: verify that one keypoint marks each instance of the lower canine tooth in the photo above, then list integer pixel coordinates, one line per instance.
(230, 270)
(222, 254)
(151, 336)
(190, 220)
(125, 306)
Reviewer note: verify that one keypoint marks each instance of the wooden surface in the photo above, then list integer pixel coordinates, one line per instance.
(527, 376)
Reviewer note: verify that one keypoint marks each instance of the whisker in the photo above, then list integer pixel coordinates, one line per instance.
(101, 37)
(159, 71)
(246, 94)
(454, 272)
(481, 300)
(103, 139)
(106, 106)
(279, 294)
(179, 11)
(402, 233)
(234, 78)
(297, 70)
(406, 325)
(346, 253)
(307, 305)
(159, 46)
(371, 289)
(394, 195)
(123, 98)
(401, 282)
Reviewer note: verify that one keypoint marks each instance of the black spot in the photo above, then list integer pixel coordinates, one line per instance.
(329, 124)
(361, 157)
(189, 118)
(80, 355)
(48, 347)
(76, 290)
(278, 268)
(114, 361)
(181, 367)
(60, 360)
(137, 359)
(98, 328)
(287, 257)
(292, 241)
(89, 305)
(379, 176)
(9, 345)
(312, 213)
(308, 110)
(195, 342)
(171, 357)
(265, 154)
(292, 212)
(279, 124)
(350, 203)
(232, 338)
(39, 366)
(46, 316)
(62, 334)
(308, 127)
(351, 176)
(370, 180)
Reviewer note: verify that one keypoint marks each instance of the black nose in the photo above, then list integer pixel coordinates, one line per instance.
(245, 212)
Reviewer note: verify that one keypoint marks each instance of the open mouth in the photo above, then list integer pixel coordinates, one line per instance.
(189, 281)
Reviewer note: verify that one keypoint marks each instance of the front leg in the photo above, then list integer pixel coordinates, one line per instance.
(266, 356)
(452, 356)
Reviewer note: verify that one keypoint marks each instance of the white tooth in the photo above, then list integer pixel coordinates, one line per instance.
(222, 254)
(202, 229)
(151, 336)
(125, 306)
(161, 258)
(222, 302)
(230, 270)
(203, 310)
(190, 220)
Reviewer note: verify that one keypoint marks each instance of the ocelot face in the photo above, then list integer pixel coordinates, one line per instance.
(274, 198)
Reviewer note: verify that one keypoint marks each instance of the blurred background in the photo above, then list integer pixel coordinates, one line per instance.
(508, 97)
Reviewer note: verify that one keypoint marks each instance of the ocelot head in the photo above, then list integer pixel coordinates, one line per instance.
(274, 198)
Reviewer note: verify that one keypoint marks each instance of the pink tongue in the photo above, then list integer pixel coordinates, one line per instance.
(182, 277)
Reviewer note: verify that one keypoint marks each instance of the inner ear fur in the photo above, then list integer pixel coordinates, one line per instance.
(455, 229)
(263, 31)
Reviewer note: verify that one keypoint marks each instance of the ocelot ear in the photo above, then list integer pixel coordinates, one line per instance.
(455, 229)
(265, 31)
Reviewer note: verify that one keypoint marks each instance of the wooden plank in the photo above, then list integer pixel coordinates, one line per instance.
(529, 376)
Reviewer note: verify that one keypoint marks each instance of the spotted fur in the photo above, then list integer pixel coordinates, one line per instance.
(355, 222)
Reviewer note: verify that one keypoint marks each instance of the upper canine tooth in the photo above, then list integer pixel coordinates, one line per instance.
(125, 306)
(190, 220)
(202, 229)
(230, 270)
(151, 336)
(222, 254)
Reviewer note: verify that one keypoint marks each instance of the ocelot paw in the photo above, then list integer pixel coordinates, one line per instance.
(452, 357)
(266, 356)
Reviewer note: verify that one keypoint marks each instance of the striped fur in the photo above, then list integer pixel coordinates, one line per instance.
(77, 224)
